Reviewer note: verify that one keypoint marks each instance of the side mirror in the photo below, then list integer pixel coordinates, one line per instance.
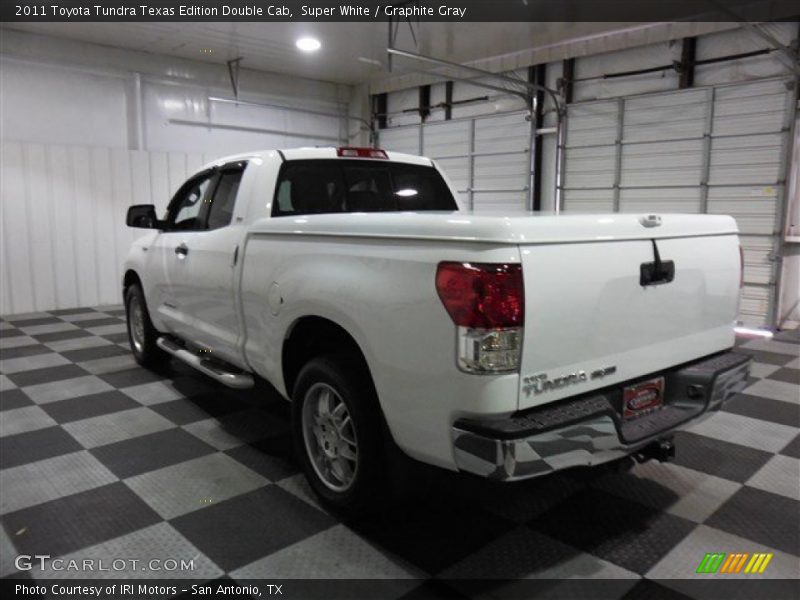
(143, 216)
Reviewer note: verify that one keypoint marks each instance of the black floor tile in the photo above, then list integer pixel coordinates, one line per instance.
(253, 424)
(196, 408)
(772, 358)
(84, 354)
(626, 533)
(24, 575)
(85, 407)
(788, 375)
(118, 312)
(116, 338)
(765, 409)
(760, 516)
(58, 336)
(792, 448)
(130, 377)
(71, 311)
(47, 375)
(238, 531)
(150, 452)
(74, 522)
(8, 333)
(36, 321)
(20, 351)
(15, 398)
(433, 534)
(23, 448)
(718, 458)
(89, 323)
(273, 458)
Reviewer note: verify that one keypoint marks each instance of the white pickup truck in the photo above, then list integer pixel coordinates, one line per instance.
(498, 345)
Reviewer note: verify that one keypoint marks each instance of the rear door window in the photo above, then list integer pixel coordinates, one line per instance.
(333, 186)
(220, 213)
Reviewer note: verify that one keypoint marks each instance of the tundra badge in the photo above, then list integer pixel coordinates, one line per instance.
(542, 383)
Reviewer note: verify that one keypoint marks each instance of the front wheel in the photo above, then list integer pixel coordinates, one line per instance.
(141, 333)
(336, 428)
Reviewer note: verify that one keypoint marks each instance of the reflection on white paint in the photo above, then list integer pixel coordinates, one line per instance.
(758, 332)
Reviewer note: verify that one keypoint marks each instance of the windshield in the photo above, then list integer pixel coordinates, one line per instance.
(339, 185)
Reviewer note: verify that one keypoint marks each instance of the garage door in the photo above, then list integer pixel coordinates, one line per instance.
(718, 150)
(485, 157)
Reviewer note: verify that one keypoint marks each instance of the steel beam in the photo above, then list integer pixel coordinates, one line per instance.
(687, 64)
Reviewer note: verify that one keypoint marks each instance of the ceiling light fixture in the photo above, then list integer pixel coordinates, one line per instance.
(308, 44)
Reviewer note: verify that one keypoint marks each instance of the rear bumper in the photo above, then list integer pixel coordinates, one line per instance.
(589, 430)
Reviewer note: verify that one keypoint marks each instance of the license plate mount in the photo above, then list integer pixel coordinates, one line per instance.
(642, 398)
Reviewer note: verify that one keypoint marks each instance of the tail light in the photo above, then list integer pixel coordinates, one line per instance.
(741, 267)
(487, 304)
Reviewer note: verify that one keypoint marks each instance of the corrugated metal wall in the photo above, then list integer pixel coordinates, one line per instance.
(63, 219)
(719, 149)
(69, 172)
(636, 143)
(486, 157)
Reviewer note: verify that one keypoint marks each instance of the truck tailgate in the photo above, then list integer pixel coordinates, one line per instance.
(589, 322)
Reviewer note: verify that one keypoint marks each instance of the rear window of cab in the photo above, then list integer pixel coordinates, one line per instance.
(346, 186)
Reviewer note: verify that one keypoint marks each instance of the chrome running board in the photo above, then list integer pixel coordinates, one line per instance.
(233, 379)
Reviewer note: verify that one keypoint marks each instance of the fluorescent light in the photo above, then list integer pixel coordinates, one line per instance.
(308, 44)
(758, 332)
(405, 193)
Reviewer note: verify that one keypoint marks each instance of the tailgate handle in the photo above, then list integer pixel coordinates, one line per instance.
(657, 272)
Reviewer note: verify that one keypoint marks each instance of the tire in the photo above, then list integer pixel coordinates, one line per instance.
(142, 335)
(351, 434)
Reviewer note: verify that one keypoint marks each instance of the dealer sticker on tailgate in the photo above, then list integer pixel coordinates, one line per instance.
(642, 398)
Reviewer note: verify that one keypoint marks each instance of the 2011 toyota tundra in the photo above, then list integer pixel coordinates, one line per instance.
(504, 346)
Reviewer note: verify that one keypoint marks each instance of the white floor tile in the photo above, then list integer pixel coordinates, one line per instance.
(781, 475)
(745, 431)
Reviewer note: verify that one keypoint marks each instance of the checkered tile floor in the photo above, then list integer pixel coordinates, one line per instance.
(101, 458)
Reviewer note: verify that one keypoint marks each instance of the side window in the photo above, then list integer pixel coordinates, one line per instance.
(285, 197)
(220, 213)
(185, 210)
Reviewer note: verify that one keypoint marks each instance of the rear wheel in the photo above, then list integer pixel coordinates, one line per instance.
(336, 427)
(141, 333)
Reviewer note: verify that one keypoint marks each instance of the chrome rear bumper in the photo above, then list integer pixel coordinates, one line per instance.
(589, 430)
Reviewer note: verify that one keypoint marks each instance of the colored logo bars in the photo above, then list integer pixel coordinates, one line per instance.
(736, 562)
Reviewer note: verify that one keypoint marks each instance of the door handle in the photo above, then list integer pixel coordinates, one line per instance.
(657, 272)
(182, 250)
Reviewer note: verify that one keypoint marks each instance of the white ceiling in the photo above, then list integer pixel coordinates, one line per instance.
(351, 52)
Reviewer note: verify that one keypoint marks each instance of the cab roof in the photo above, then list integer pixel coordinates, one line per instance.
(313, 153)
